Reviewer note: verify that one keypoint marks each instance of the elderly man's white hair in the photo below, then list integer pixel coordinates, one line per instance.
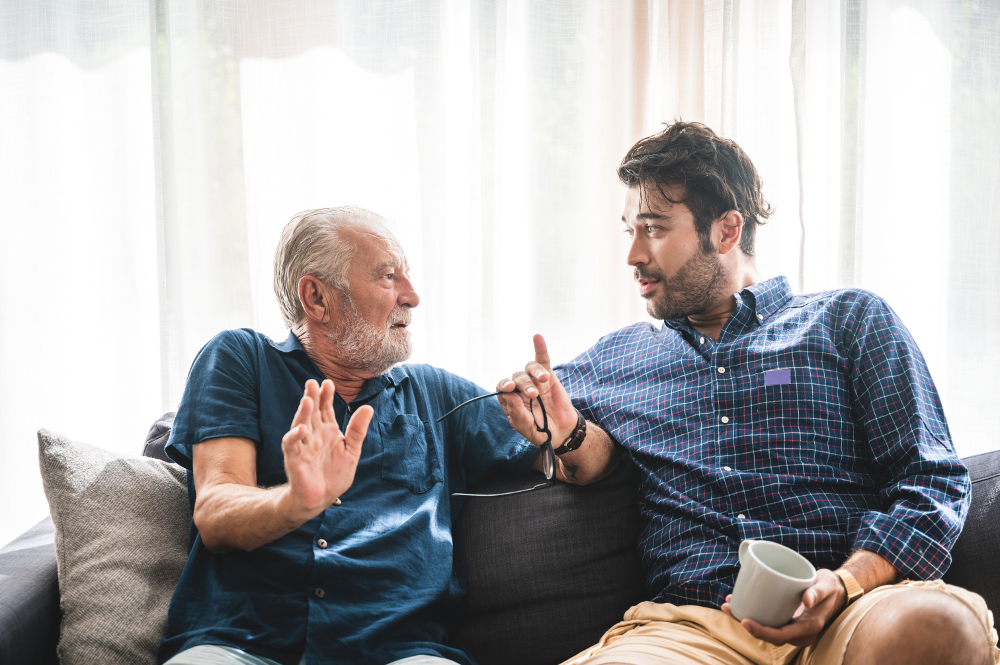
(311, 244)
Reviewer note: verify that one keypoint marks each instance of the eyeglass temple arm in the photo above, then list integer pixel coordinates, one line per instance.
(470, 401)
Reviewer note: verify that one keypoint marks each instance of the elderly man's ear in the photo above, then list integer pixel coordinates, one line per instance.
(318, 299)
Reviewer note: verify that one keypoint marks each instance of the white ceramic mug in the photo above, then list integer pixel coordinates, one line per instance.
(770, 583)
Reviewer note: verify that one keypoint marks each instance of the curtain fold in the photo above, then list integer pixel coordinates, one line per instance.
(151, 153)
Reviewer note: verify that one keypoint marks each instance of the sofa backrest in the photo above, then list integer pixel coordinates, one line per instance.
(974, 557)
(549, 571)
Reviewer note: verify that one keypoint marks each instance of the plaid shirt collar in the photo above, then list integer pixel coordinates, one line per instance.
(754, 305)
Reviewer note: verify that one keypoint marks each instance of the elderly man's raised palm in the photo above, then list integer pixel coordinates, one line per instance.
(320, 461)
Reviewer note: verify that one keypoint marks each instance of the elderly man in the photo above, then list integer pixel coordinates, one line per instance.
(324, 520)
(753, 413)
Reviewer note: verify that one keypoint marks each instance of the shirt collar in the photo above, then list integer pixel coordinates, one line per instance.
(768, 297)
(290, 344)
(764, 298)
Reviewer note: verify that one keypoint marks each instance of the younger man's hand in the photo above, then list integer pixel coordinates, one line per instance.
(536, 380)
(320, 461)
(821, 603)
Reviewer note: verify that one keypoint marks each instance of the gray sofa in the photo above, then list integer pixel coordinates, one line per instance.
(549, 570)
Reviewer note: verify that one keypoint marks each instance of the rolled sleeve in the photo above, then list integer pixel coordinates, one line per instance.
(925, 491)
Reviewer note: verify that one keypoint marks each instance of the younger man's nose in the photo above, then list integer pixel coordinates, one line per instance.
(637, 254)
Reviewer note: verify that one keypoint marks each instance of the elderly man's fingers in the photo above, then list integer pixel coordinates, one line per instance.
(357, 429)
(326, 402)
(312, 389)
(303, 415)
(316, 414)
(541, 352)
(293, 436)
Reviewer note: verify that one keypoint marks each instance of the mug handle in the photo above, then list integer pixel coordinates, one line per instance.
(744, 548)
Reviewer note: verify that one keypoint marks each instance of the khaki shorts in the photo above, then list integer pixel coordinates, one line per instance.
(665, 633)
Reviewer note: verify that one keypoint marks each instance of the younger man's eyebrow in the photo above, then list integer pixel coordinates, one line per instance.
(653, 215)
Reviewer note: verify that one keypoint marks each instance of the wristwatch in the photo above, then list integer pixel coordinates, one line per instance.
(854, 590)
(576, 437)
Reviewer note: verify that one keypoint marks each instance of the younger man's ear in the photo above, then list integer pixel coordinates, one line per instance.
(730, 229)
(316, 298)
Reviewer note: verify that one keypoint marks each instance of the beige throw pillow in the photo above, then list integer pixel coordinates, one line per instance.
(122, 528)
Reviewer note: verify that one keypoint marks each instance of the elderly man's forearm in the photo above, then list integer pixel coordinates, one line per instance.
(238, 517)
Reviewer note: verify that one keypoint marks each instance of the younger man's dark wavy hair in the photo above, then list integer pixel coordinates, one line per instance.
(717, 176)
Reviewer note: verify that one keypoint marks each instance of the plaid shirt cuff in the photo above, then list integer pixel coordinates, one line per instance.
(913, 553)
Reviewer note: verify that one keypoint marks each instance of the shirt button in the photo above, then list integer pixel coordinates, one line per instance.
(741, 516)
(725, 467)
(336, 502)
(701, 339)
(725, 419)
(722, 370)
(760, 317)
(322, 544)
(319, 592)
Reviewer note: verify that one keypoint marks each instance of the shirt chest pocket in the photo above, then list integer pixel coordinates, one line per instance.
(408, 458)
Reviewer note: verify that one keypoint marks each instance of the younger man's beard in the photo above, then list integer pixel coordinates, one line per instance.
(696, 286)
(367, 347)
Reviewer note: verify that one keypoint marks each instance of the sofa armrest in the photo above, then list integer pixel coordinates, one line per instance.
(29, 598)
(974, 555)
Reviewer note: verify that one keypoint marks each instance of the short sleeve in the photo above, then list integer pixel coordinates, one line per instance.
(221, 397)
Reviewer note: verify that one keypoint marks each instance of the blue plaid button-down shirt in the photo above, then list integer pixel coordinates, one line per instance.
(812, 422)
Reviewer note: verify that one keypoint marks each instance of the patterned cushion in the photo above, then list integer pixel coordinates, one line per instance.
(122, 526)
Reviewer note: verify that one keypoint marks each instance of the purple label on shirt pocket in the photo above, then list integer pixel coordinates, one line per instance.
(777, 377)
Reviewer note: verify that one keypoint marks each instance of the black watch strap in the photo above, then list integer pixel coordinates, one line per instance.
(576, 437)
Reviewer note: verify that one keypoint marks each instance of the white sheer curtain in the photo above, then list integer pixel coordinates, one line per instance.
(150, 154)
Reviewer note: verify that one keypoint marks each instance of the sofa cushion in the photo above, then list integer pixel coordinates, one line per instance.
(121, 534)
(157, 437)
(974, 557)
(549, 571)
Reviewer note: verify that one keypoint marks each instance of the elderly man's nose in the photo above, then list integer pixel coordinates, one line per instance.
(408, 297)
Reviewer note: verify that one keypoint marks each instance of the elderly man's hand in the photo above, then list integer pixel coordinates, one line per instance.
(821, 603)
(320, 461)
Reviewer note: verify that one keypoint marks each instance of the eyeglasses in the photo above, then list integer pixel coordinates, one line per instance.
(547, 453)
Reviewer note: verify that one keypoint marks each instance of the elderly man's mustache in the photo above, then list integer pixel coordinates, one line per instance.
(400, 316)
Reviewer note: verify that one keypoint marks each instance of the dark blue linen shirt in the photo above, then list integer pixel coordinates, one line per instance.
(812, 422)
(389, 580)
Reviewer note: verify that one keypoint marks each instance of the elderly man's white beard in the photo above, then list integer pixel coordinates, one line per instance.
(367, 347)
